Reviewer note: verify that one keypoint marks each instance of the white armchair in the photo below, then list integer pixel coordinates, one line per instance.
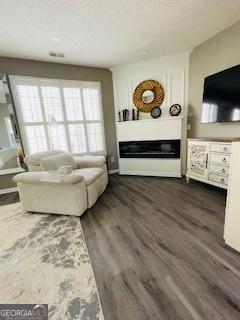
(70, 195)
(51, 160)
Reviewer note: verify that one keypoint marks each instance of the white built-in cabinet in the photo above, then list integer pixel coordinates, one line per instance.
(232, 215)
(208, 161)
(218, 163)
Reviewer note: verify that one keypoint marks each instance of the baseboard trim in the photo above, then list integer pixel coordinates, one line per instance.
(113, 171)
(151, 173)
(8, 190)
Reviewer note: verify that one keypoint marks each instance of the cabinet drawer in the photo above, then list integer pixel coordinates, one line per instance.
(218, 178)
(214, 168)
(221, 147)
(220, 158)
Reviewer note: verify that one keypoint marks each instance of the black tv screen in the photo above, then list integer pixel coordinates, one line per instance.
(221, 96)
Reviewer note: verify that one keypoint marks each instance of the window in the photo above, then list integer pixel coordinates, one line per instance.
(78, 138)
(36, 138)
(93, 131)
(73, 103)
(59, 114)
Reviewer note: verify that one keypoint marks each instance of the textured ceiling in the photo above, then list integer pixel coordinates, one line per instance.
(109, 33)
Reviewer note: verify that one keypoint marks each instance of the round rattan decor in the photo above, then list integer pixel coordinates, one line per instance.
(158, 91)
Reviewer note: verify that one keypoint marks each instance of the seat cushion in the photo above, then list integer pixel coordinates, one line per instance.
(56, 161)
(90, 174)
(89, 161)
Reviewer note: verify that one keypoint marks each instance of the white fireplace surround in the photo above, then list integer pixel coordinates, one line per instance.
(151, 129)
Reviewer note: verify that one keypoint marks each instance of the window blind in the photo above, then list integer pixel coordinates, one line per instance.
(59, 114)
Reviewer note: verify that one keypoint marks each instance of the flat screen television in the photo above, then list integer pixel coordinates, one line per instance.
(221, 96)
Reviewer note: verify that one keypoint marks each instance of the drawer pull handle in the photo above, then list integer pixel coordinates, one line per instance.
(222, 180)
(225, 149)
(223, 170)
(224, 160)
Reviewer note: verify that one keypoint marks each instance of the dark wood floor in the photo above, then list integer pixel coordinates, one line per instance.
(9, 198)
(157, 250)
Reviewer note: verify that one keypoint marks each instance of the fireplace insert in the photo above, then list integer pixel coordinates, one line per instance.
(150, 149)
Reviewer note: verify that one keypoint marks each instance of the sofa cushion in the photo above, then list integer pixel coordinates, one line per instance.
(56, 161)
(35, 158)
(88, 161)
(90, 174)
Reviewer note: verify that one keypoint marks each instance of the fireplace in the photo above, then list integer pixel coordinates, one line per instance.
(150, 147)
(164, 149)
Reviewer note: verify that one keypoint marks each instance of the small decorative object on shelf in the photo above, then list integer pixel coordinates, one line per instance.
(156, 112)
(119, 116)
(138, 113)
(135, 114)
(175, 110)
(123, 115)
(126, 115)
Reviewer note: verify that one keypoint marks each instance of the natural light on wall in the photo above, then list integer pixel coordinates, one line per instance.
(59, 114)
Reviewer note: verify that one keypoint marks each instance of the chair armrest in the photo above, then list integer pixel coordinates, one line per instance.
(90, 161)
(47, 178)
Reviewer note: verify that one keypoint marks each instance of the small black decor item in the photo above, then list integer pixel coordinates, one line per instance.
(175, 110)
(135, 114)
(119, 116)
(124, 115)
(138, 113)
(127, 115)
(156, 112)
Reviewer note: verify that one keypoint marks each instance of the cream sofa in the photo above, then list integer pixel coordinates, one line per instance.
(41, 191)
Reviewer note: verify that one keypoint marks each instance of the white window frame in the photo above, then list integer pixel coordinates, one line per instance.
(16, 80)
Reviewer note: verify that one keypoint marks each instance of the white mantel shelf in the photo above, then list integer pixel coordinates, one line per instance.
(165, 128)
(150, 120)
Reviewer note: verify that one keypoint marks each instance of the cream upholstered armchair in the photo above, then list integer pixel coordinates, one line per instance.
(53, 159)
(67, 194)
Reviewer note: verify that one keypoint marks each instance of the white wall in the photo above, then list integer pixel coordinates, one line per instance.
(171, 71)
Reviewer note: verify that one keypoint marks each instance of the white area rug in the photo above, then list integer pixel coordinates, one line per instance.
(44, 259)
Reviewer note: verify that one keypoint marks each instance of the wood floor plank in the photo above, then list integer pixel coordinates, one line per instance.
(9, 198)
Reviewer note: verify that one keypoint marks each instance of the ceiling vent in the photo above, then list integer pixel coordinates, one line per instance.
(56, 54)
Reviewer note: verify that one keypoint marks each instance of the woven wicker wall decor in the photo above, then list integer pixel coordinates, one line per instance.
(156, 88)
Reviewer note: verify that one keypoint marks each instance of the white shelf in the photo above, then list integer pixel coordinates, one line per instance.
(11, 171)
(151, 120)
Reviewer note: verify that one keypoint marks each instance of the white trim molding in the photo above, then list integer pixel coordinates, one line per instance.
(11, 171)
(151, 173)
(8, 190)
(113, 171)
